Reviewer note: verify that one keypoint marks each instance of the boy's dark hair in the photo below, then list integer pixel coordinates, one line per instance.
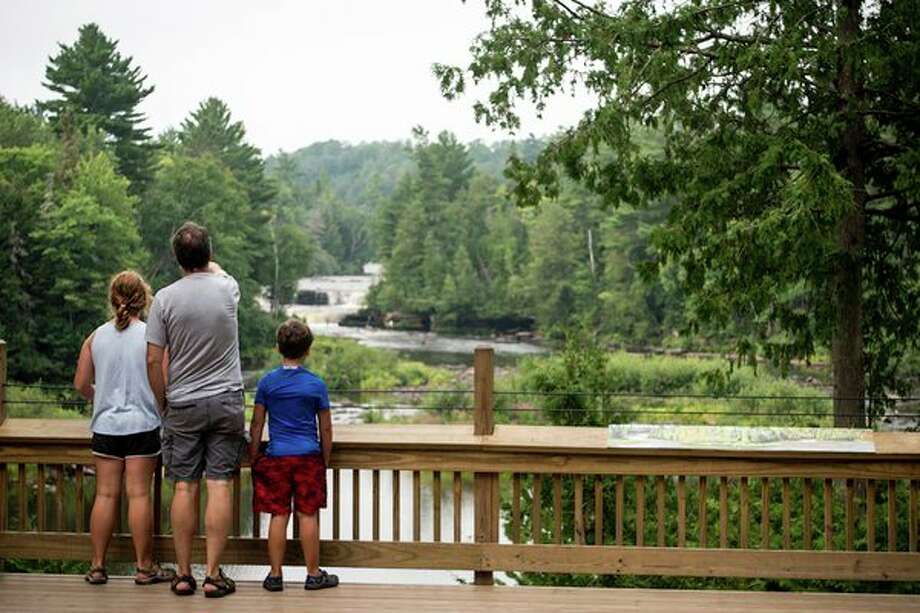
(191, 245)
(294, 339)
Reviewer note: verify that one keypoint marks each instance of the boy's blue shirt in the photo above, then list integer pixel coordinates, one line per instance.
(292, 397)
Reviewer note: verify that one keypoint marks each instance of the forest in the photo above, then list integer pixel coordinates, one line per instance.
(677, 214)
(86, 190)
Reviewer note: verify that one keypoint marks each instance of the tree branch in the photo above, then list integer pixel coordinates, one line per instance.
(883, 195)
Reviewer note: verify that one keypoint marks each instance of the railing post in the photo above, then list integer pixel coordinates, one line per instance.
(483, 383)
(486, 496)
(2, 381)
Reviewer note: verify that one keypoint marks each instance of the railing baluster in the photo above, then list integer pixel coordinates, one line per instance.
(619, 488)
(416, 505)
(806, 504)
(723, 512)
(59, 497)
(557, 509)
(336, 503)
(579, 510)
(892, 517)
(764, 513)
(458, 506)
(870, 514)
(745, 513)
(850, 511)
(40, 498)
(828, 514)
(536, 519)
(23, 498)
(396, 504)
(660, 500)
(912, 531)
(704, 524)
(238, 502)
(3, 498)
(515, 508)
(436, 498)
(356, 504)
(79, 502)
(787, 520)
(681, 511)
(375, 502)
(598, 510)
(640, 511)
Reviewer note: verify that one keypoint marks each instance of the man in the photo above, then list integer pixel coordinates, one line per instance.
(193, 322)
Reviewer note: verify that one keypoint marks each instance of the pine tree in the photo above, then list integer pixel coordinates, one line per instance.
(100, 90)
(211, 130)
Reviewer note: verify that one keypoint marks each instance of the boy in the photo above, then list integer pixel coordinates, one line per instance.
(294, 463)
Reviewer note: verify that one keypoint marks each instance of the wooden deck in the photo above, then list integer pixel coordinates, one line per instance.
(69, 593)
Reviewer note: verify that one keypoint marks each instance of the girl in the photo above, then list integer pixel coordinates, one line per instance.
(112, 373)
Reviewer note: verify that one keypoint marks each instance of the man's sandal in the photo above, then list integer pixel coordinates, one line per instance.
(223, 585)
(154, 574)
(97, 576)
(188, 591)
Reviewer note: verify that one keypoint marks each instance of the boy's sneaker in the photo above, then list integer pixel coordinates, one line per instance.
(321, 581)
(273, 584)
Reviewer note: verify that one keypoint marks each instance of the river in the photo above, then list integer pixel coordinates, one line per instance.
(346, 294)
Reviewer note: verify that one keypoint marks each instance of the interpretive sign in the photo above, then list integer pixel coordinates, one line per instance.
(662, 436)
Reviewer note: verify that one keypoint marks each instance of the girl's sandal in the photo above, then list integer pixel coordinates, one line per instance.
(223, 585)
(188, 591)
(154, 574)
(97, 576)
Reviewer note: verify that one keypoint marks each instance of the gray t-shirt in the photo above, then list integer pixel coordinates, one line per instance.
(196, 319)
(123, 402)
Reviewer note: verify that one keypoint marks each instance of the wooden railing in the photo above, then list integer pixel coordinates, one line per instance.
(545, 499)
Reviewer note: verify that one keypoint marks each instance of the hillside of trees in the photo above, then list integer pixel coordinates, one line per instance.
(460, 255)
(86, 191)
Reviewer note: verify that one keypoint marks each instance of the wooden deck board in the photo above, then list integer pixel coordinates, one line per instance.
(56, 593)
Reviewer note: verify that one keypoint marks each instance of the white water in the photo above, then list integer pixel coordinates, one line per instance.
(346, 297)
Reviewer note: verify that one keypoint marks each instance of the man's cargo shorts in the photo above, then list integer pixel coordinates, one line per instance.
(204, 436)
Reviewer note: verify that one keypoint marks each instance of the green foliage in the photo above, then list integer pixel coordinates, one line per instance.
(99, 89)
(91, 197)
(21, 127)
(209, 130)
(66, 229)
(585, 385)
(451, 243)
(45, 404)
(344, 364)
(789, 157)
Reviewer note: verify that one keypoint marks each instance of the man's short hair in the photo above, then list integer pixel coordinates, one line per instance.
(191, 244)
(294, 339)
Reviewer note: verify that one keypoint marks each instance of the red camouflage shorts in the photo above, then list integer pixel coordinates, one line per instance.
(277, 479)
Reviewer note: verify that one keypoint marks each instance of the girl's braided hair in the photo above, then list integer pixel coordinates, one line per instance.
(129, 296)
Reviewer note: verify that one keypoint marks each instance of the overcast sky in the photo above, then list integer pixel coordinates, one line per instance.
(295, 72)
